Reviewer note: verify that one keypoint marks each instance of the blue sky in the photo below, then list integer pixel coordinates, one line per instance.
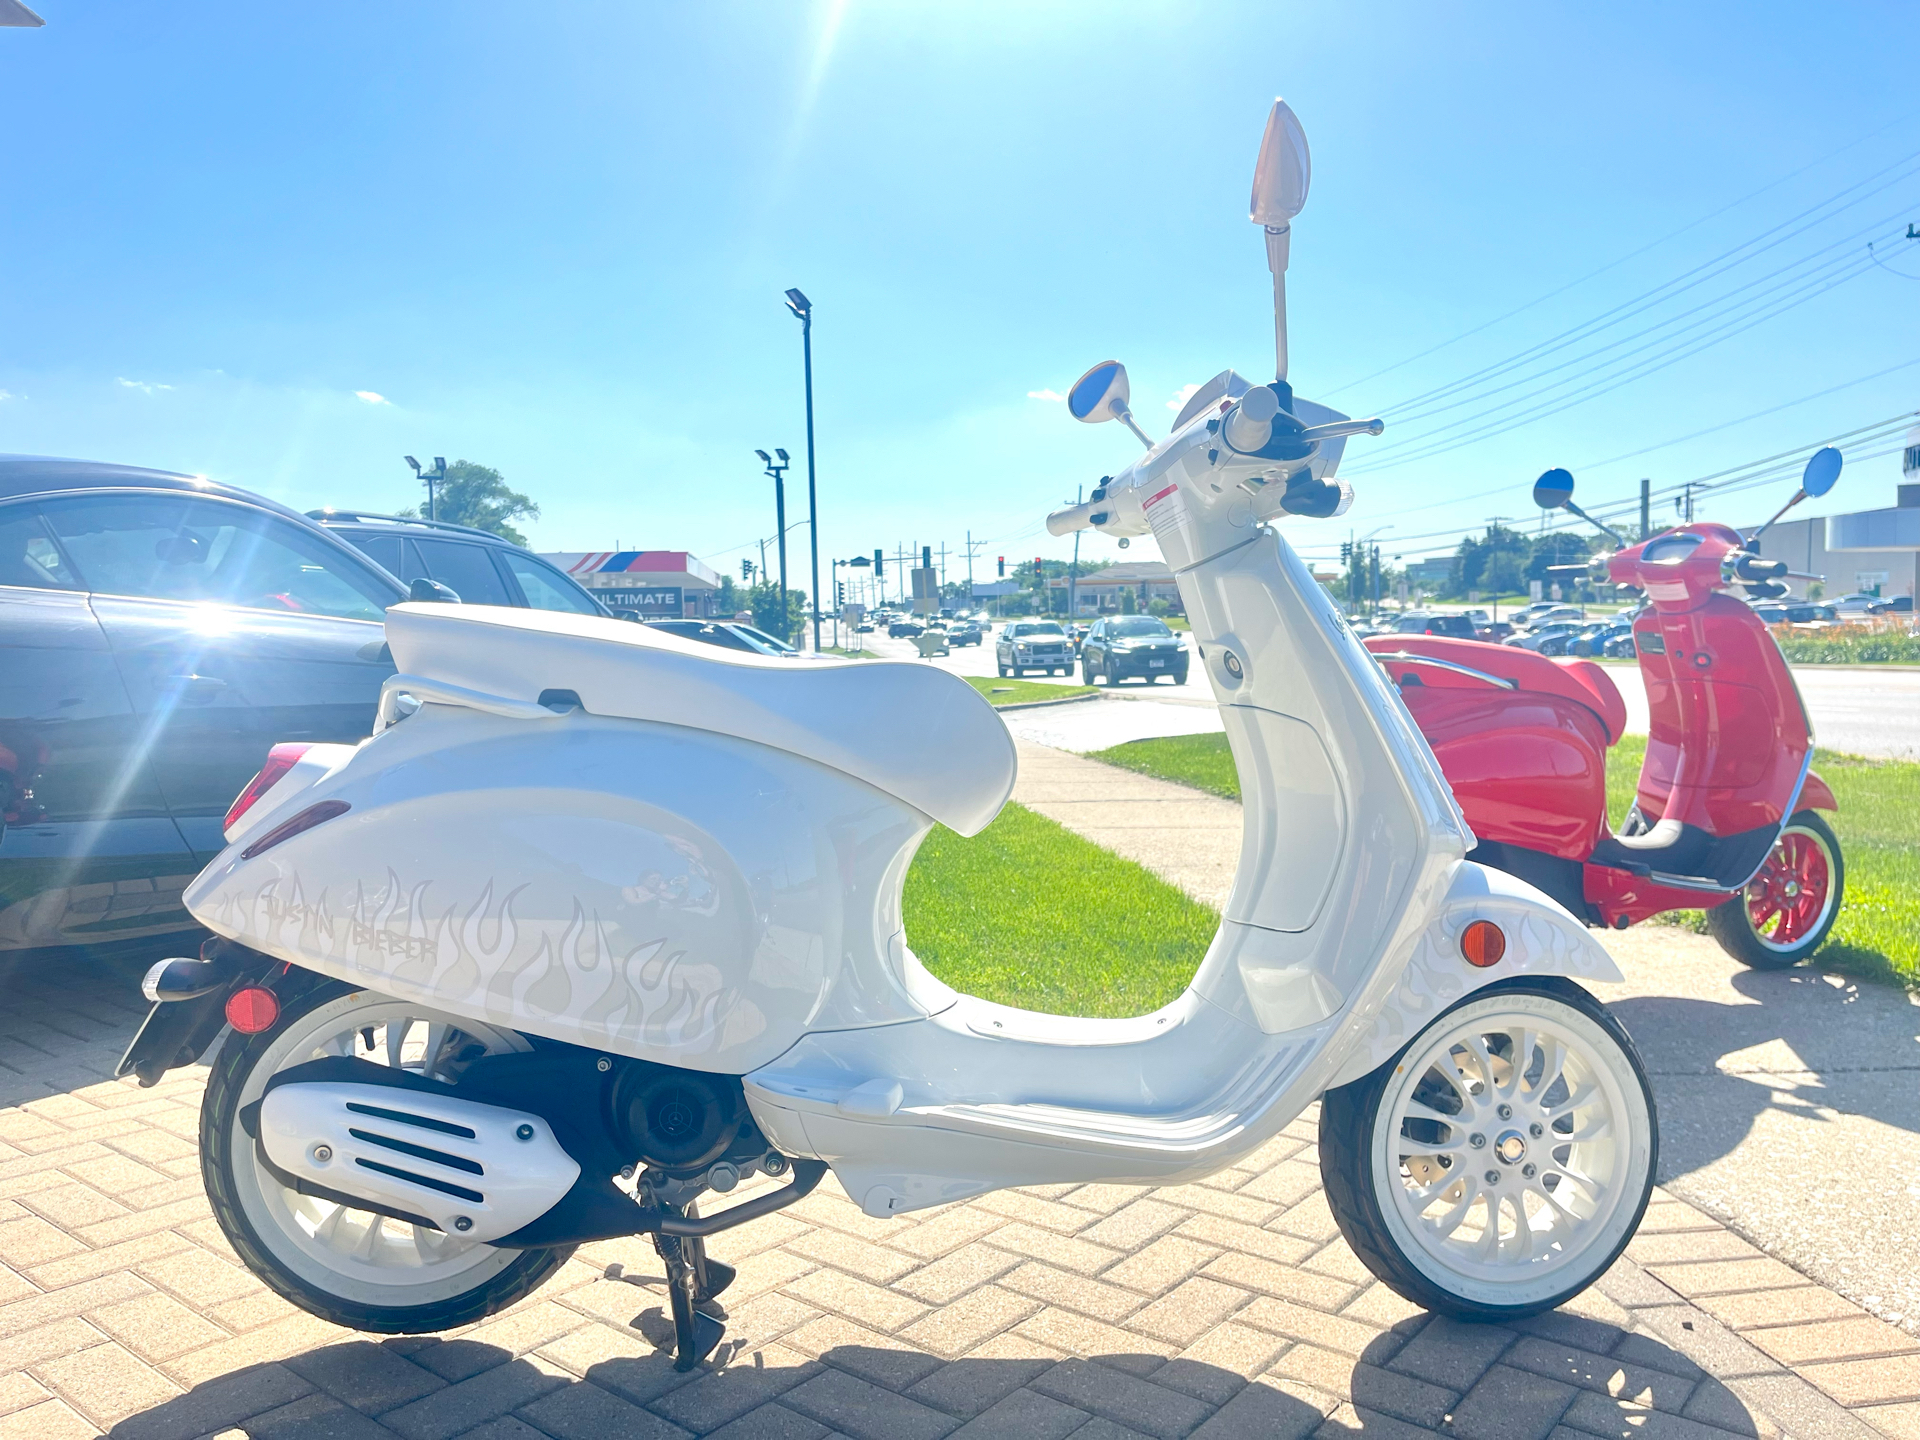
(554, 239)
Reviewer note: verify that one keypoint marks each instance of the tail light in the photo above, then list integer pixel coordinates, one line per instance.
(308, 818)
(280, 760)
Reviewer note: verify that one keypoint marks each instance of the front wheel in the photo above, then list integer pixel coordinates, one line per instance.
(1788, 908)
(352, 1267)
(1499, 1164)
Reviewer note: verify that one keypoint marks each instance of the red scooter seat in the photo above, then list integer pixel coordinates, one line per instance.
(1580, 681)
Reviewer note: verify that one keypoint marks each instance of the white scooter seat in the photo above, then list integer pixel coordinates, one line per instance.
(917, 733)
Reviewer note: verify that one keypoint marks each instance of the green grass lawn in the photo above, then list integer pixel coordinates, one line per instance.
(1025, 692)
(1878, 933)
(1027, 913)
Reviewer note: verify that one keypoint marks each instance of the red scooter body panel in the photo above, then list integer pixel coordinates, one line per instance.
(1728, 736)
(1542, 782)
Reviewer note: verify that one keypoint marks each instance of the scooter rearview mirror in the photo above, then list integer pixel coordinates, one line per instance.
(1092, 393)
(1102, 394)
(1822, 470)
(1553, 490)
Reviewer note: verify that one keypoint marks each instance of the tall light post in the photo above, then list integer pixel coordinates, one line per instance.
(432, 477)
(778, 470)
(803, 311)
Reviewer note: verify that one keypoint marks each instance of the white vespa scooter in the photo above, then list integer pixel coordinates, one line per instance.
(600, 920)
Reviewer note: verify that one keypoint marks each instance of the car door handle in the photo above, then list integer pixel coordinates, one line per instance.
(200, 689)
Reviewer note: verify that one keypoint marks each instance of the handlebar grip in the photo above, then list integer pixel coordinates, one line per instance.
(1074, 517)
(1754, 568)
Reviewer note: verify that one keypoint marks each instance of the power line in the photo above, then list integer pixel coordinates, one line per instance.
(1631, 255)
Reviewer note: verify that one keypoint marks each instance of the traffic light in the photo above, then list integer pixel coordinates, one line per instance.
(840, 593)
(1346, 552)
(1003, 567)
(1039, 572)
(926, 557)
(746, 571)
(878, 562)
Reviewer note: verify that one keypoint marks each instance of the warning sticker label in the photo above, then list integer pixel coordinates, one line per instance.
(1166, 512)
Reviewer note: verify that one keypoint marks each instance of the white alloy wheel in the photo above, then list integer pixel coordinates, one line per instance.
(352, 1254)
(1511, 1150)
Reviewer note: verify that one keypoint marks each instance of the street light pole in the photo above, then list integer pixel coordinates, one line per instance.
(778, 470)
(803, 308)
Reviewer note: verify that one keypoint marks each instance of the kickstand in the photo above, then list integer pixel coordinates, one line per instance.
(695, 1333)
(710, 1277)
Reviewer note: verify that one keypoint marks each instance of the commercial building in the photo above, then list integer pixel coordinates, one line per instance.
(655, 584)
(1099, 591)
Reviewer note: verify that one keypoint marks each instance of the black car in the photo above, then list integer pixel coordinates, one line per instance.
(902, 628)
(727, 635)
(963, 632)
(159, 633)
(479, 567)
(1459, 626)
(1128, 646)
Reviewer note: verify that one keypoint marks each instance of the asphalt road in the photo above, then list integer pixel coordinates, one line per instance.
(1865, 710)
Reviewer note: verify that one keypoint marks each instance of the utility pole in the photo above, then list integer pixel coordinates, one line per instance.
(943, 567)
(1494, 522)
(1646, 508)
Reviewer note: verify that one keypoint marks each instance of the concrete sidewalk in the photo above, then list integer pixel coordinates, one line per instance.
(1790, 1102)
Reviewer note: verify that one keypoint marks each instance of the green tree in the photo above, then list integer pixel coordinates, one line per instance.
(477, 495)
(764, 601)
(1558, 547)
(726, 600)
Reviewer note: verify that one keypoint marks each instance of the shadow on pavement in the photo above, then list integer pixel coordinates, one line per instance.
(1799, 1030)
(1469, 1382)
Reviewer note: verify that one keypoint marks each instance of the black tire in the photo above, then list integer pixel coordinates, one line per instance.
(1180, 677)
(219, 1129)
(1731, 922)
(1003, 671)
(1348, 1117)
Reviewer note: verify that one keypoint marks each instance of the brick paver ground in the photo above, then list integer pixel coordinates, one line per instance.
(1230, 1308)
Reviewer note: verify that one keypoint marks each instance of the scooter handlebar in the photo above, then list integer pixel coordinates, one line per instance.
(1075, 517)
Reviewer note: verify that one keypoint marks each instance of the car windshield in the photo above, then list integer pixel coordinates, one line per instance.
(1043, 627)
(1137, 627)
(779, 647)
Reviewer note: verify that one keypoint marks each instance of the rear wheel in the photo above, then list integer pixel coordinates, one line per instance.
(1500, 1163)
(1788, 909)
(352, 1267)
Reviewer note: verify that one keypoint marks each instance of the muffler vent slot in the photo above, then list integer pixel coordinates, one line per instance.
(420, 1152)
(425, 1122)
(444, 1187)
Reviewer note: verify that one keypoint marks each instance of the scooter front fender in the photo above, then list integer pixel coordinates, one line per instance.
(1815, 795)
(1542, 939)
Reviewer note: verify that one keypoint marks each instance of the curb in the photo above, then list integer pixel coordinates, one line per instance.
(1044, 704)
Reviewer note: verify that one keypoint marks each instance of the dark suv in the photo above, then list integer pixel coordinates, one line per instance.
(1125, 646)
(479, 567)
(159, 633)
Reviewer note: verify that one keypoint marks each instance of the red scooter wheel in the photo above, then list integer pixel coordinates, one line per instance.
(1787, 910)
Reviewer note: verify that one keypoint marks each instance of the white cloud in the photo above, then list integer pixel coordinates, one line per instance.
(6, 395)
(145, 387)
(1050, 395)
(373, 397)
(1184, 394)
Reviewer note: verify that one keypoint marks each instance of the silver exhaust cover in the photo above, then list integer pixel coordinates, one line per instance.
(477, 1171)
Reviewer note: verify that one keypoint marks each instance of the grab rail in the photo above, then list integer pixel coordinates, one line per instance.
(441, 693)
(1408, 657)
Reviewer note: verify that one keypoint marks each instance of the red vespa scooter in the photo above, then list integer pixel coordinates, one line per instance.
(1724, 818)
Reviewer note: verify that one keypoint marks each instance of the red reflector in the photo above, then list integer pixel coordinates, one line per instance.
(1482, 944)
(252, 1009)
(280, 759)
(305, 820)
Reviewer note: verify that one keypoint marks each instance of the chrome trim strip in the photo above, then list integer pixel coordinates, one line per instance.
(1408, 657)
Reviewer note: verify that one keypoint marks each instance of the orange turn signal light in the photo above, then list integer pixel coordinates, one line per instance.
(1482, 944)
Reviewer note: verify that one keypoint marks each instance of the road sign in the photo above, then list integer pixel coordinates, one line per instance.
(926, 589)
(651, 601)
